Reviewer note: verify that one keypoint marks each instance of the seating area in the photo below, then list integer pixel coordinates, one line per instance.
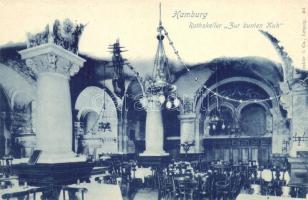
(218, 180)
(127, 178)
(205, 180)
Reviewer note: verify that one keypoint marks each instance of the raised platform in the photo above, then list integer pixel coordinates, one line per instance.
(53, 174)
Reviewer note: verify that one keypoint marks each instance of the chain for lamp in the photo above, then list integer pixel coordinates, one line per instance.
(196, 79)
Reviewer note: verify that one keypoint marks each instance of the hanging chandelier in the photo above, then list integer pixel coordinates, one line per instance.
(216, 121)
(104, 126)
(158, 87)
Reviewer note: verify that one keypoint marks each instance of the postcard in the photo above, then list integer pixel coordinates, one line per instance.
(153, 99)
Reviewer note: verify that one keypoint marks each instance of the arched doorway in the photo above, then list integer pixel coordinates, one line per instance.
(134, 117)
(97, 117)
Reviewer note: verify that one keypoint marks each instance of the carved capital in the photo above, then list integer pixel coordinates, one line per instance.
(52, 58)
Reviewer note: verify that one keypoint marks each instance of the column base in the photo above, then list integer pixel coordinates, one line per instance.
(151, 153)
(50, 158)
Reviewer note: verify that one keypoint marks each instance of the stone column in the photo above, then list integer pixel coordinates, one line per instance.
(188, 130)
(53, 67)
(299, 118)
(154, 130)
(296, 103)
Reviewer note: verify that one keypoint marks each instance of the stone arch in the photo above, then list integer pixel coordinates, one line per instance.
(274, 111)
(287, 68)
(262, 104)
(19, 91)
(90, 101)
(260, 84)
(223, 104)
(14, 85)
(86, 98)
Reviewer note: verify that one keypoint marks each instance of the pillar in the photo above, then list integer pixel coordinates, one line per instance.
(299, 119)
(188, 130)
(298, 164)
(154, 129)
(53, 67)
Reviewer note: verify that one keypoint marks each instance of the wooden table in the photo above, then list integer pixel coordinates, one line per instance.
(95, 191)
(19, 191)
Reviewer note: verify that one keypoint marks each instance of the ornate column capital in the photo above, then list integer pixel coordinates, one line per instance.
(52, 58)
